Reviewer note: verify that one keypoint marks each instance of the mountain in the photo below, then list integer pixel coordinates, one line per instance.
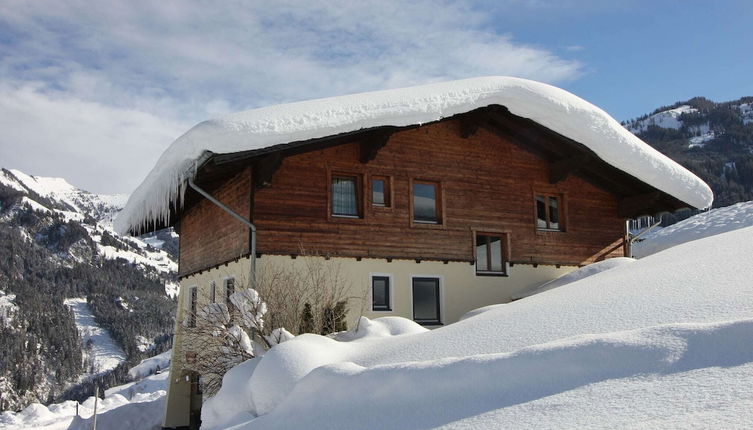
(713, 140)
(79, 304)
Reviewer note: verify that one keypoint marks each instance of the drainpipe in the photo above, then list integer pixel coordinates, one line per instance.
(240, 218)
(638, 236)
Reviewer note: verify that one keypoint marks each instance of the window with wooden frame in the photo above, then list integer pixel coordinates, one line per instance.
(380, 293)
(212, 292)
(345, 195)
(380, 191)
(491, 254)
(549, 212)
(426, 202)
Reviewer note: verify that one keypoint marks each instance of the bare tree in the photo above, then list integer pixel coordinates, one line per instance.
(288, 300)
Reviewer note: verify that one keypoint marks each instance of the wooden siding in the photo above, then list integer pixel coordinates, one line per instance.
(488, 184)
(210, 236)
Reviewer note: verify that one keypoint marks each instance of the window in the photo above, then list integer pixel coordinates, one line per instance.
(426, 203)
(212, 292)
(380, 293)
(426, 301)
(380, 191)
(548, 211)
(345, 196)
(192, 298)
(490, 254)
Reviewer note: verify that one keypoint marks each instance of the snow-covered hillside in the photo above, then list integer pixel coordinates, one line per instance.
(669, 118)
(663, 342)
(100, 353)
(712, 222)
(57, 242)
(57, 196)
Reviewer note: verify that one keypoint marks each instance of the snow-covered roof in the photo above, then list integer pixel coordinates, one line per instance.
(549, 106)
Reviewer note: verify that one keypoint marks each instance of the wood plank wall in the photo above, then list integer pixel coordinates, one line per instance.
(209, 235)
(488, 184)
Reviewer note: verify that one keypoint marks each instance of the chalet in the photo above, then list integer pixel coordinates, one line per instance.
(434, 200)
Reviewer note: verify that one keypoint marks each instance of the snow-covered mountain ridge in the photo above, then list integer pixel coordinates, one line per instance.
(713, 140)
(57, 243)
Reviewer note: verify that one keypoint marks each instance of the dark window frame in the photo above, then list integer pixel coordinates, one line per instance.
(562, 219)
(212, 292)
(504, 252)
(193, 300)
(438, 291)
(387, 181)
(438, 203)
(388, 294)
(360, 191)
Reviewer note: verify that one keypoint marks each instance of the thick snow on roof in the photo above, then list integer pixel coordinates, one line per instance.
(549, 106)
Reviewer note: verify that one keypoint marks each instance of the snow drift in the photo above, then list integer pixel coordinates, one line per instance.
(549, 106)
(659, 322)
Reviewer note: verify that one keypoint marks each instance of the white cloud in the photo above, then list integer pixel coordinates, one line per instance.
(97, 147)
(170, 63)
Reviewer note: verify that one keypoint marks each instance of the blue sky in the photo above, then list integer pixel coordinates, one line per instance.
(94, 91)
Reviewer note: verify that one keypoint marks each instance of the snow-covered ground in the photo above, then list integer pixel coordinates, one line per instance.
(134, 406)
(663, 342)
(705, 224)
(138, 405)
(100, 352)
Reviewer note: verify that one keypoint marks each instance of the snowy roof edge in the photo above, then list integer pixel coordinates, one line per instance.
(552, 107)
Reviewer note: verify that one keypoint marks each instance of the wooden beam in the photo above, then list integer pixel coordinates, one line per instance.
(561, 169)
(642, 204)
(265, 167)
(471, 122)
(371, 145)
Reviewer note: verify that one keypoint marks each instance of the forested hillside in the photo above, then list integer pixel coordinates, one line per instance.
(56, 243)
(713, 140)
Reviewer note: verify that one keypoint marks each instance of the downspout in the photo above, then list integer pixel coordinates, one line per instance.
(638, 236)
(240, 218)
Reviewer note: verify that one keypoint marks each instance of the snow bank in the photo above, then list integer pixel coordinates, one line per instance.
(145, 414)
(705, 224)
(552, 107)
(433, 393)
(137, 405)
(704, 281)
(233, 402)
(381, 327)
(150, 365)
(576, 275)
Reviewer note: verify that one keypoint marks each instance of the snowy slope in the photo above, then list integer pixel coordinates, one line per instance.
(705, 224)
(134, 406)
(552, 107)
(669, 118)
(102, 207)
(100, 353)
(654, 342)
(75, 204)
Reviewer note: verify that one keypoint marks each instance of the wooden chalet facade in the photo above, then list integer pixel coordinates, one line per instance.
(428, 220)
(487, 168)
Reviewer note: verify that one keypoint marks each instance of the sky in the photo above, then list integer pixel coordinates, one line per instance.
(94, 91)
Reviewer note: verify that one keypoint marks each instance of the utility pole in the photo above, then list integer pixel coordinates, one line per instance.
(96, 397)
